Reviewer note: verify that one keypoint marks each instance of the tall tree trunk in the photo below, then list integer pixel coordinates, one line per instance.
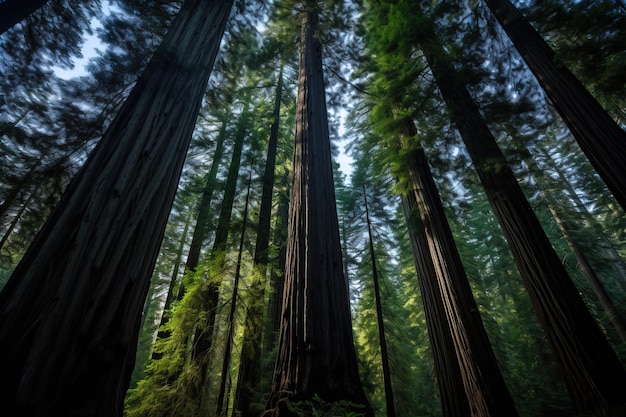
(70, 313)
(203, 339)
(611, 254)
(316, 349)
(14, 11)
(250, 363)
(384, 355)
(484, 386)
(454, 402)
(231, 315)
(277, 275)
(598, 135)
(584, 356)
(583, 262)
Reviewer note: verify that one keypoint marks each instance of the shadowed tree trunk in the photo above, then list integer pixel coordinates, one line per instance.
(384, 355)
(250, 363)
(70, 313)
(454, 402)
(485, 388)
(595, 377)
(598, 135)
(316, 350)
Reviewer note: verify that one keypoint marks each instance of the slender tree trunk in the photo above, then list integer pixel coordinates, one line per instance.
(70, 313)
(484, 386)
(584, 356)
(608, 248)
(384, 355)
(583, 262)
(203, 339)
(598, 135)
(249, 375)
(277, 276)
(231, 315)
(14, 11)
(316, 350)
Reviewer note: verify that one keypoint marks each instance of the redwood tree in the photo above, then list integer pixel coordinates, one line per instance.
(70, 313)
(583, 354)
(316, 350)
(599, 136)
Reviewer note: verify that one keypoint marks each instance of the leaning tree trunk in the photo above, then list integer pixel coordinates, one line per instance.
(484, 385)
(595, 377)
(316, 350)
(249, 375)
(598, 135)
(454, 402)
(14, 11)
(70, 314)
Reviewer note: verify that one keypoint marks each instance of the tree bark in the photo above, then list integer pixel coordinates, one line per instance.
(316, 350)
(70, 313)
(584, 356)
(598, 135)
(486, 391)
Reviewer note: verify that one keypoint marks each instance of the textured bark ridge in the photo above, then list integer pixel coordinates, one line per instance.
(70, 314)
(584, 356)
(316, 353)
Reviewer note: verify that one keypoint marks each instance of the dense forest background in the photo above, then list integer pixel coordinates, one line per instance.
(221, 262)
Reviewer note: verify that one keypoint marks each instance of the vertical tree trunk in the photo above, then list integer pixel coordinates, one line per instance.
(203, 339)
(14, 11)
(250, 363)
(598, 135)
(231, 315)
(277, 276)
(485, 388)
(70, 314)
(584, 356)
(384, 355)
(316, 350)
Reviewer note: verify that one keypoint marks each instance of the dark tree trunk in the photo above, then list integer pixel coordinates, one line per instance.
(70, 314)
(250, 363)
(316, 350)
(225, 376)
(485, 388)
(598, 135)
(384, 355)
(454, 401)
(203, 339)
(277, 276)
(584, 356)
(14, 11)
